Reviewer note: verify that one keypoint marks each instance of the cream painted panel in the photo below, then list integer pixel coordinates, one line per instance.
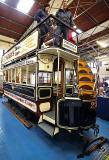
(44, 106)
(45, 67)
(69, 65)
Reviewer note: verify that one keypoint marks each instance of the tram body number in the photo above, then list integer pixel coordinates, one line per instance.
(93, 105)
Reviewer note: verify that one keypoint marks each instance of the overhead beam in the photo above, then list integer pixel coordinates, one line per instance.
(10, 30)
(95, 39)
(106, 3)
(10, 36)
(90, 17)
(12, 21)
(87, 9)
(6, 41)
(97, 29)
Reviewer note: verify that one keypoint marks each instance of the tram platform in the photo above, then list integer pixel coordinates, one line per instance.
(19, 143)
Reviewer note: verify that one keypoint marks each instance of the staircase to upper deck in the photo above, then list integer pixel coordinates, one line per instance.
(86, 80)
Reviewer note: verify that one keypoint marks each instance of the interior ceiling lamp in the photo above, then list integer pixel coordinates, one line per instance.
(103, 44)
(74, 26)
(79, 31)
(25, 5)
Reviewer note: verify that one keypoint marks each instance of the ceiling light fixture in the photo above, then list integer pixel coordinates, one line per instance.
(25, 5)
(102, 44)
(74, 26)
(78, 30)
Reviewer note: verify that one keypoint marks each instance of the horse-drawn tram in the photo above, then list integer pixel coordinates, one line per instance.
(46, 83)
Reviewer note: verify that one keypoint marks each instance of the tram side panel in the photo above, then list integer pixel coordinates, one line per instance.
(35, 99)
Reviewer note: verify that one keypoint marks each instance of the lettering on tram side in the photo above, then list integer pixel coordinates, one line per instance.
(93, 105)
(30, 105)
(27, 45)
(22, 63)
(69, 45)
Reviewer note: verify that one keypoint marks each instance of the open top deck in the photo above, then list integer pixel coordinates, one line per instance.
(29, 45)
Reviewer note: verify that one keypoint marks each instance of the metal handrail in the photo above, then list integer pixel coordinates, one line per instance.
(49, 16)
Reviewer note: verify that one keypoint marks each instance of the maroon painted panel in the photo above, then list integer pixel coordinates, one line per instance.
(15, 15)
(9, 34)
(100, 12)
(11, 26)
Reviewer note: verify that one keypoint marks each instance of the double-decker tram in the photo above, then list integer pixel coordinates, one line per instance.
(46, 82)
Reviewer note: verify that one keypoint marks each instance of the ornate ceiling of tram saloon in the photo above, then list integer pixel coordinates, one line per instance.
(87, 15)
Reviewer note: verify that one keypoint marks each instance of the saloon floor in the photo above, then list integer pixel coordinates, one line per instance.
(20, 143)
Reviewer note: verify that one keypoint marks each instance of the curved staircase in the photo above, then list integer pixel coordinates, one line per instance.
(87, 87)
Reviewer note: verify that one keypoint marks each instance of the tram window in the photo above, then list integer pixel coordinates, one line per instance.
(56, 77)
(13, 75)
(31, 72)
(23, 77)
(69, 77)
(5, 76)
(17, 75)
(9, 75)
(44, 77)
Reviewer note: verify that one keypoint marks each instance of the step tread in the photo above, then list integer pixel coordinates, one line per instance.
(86, 81)
(84, 67)
(47, 128)
(50, 114)
(86, 74)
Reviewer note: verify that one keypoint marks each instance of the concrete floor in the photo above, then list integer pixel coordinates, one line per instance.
(19, 143)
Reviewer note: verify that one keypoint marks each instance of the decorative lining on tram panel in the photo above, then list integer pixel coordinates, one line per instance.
(49, 82)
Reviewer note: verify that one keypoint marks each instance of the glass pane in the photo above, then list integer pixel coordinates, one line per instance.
(44, 77)
(31, 74)
(17, 75)
(9, 75)
(56, 77)
(24, 77)
(69, 77)
(13, 75)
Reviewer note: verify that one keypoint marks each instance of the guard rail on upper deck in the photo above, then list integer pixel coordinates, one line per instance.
(28, 44)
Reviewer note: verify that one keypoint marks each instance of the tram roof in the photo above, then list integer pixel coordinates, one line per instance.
(62, 53)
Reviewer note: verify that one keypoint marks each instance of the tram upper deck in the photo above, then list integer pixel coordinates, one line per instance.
(30, 45)
(28, 70)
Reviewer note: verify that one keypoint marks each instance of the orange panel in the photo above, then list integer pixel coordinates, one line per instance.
(86, 69)
(83, 84)
(83, 76)
(82, 63)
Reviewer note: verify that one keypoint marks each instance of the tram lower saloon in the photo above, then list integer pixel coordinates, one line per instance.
(68, 112)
